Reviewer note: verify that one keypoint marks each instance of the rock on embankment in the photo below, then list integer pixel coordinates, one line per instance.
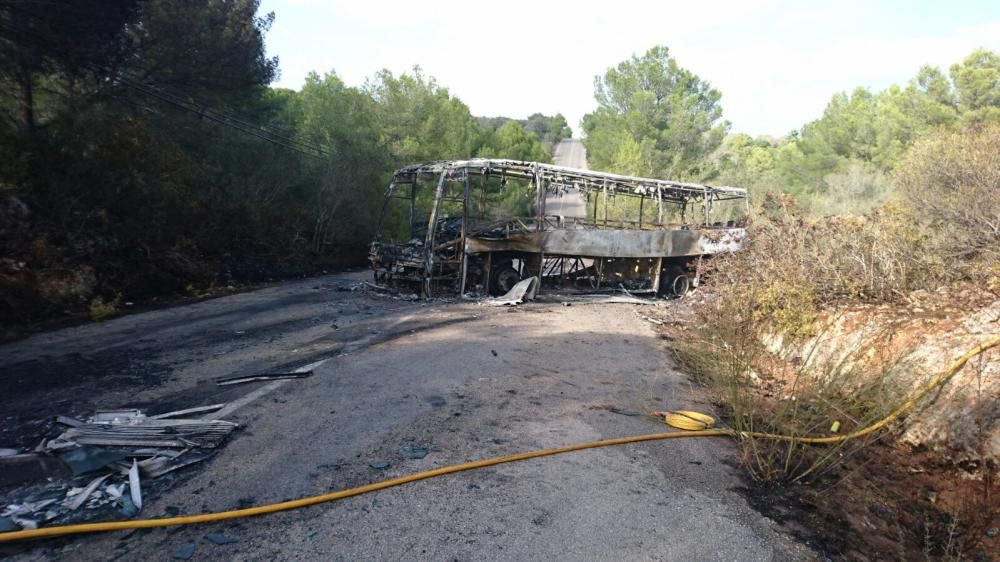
(908, 344)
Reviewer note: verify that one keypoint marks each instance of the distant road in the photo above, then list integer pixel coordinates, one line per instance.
(572, 154)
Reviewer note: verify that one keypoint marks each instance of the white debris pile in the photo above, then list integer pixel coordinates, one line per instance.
(106, 456)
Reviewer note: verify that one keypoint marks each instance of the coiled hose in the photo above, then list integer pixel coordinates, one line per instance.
(689, 419)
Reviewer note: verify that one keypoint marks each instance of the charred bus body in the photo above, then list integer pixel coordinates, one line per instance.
(481, 225)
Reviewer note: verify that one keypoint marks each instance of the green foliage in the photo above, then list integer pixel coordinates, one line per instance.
(547, 130)
(419, 120)
(80, 41)
(653, 118)
(842, 163)
(512, 141)
(100, 309)
(209, 49)
(977, 81)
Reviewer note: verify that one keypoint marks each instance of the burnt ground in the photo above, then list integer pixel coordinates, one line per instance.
(164, 355)
(890, 503)
(462, 381)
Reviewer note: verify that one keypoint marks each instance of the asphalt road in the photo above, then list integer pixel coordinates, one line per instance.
(464, 380)
(572, 154)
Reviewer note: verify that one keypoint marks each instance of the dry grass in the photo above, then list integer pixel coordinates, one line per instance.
(761, 392)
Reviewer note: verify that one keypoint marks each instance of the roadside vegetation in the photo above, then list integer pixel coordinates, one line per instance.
(143, 154)
(886, 196)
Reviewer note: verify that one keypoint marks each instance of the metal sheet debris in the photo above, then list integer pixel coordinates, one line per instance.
(134, 488)
(523, 291)
(88, 459)
(198, 410)
(144, 447)
(263, 377)
(174, 433)
(413, 452)
(75, 501)
(117, 416)
(66, 420)
(20, 468)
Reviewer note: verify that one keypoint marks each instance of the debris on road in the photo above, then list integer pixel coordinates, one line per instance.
(219, 539)
(198, 410)
(76, 497)
(134, 488)
(621, 412)
(567, 300)
(31, 466)
(184, 553)
(413, 452)
(523, 291)
(263, 377)
(82, 460)
(379, 465)
(111, 444)
(652, 320)
(117, 416)
(147, 432)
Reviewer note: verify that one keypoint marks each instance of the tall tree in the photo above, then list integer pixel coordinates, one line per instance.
(68, 40)
(977, 79)
(420, 120)
(202, 48)
(654, 117)
(512, 141)
(549, 130)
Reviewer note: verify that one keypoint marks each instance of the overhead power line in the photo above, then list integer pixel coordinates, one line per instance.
(227, 119)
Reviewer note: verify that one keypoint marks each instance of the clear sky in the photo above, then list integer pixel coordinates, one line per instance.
(776, 62)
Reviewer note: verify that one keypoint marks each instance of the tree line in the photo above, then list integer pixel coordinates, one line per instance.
(143, 153)
(656, 118)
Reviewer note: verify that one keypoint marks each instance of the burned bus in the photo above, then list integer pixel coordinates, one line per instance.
(480, 226)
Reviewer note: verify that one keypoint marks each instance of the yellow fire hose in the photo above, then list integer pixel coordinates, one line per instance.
(698, 425)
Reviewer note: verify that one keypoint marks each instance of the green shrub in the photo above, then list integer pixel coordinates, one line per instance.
(101, 309)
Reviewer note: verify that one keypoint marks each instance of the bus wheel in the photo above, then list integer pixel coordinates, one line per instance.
(504, 279)
(673, 281)
(680, 285)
